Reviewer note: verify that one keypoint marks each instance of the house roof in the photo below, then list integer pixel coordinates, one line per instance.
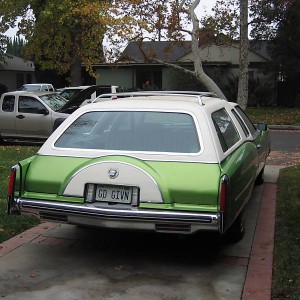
(162, 50)
(14, 63)
(168, 51)
(261, 48)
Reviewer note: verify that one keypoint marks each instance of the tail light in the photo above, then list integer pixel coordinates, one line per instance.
(12, 207)
(223, 193)
(12, 180)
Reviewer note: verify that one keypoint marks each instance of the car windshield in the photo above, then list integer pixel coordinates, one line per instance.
(132, 131)
(54, 101)
(76, 100)
(68, 93)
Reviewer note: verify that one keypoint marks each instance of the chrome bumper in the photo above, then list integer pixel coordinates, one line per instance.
(122, 218)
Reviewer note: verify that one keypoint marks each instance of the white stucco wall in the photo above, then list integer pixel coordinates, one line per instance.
(9, 78)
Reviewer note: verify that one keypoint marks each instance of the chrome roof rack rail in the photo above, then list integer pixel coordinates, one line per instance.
(187, 94)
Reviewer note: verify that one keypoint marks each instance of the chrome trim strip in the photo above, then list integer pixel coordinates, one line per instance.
(34, 207)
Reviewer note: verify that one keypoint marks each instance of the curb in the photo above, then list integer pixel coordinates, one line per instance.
(258, 282)
(283, 127)
(25, 237)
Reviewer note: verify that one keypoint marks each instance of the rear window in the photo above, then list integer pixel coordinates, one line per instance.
(132, 131)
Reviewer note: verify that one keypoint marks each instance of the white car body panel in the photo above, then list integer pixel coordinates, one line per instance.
(129, 175)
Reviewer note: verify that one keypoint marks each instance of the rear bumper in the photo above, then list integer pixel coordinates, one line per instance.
(123, 218)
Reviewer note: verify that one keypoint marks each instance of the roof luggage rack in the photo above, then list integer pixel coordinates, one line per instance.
(188, 94)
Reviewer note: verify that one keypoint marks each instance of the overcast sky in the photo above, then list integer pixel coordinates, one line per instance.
(203, 7)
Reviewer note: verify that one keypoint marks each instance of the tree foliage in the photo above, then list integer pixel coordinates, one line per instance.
(60, 34)
(222, 25)
(286, 44)
(155, 20)
(138, 20)
(3, 42)
(267, 18)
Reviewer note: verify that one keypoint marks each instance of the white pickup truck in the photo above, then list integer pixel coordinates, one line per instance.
(42, 87)
(29, 115)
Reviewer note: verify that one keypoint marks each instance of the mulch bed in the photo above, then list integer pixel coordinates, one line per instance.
(283, 158)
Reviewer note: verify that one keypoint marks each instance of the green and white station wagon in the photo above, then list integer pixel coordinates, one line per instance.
(175, 162)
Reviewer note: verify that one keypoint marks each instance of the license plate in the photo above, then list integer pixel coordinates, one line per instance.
(113, 193)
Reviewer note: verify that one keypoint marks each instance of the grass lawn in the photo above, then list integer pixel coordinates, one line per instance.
(12, 225)
(275, 115)
(286, 277)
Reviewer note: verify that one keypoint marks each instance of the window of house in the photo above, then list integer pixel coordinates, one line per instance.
(149, 80)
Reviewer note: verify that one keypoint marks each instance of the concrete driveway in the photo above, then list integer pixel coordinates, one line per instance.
(54, 261)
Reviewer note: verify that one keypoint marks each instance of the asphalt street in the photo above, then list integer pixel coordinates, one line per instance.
(285, 140)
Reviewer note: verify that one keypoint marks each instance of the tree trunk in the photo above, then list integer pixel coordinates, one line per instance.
(242, 98)
(199, 72)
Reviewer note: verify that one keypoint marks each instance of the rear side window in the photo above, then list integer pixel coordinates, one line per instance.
(244, 127)
(247, 121)
(226, 130)
(132, 131)
(8, 104)
(51, 88)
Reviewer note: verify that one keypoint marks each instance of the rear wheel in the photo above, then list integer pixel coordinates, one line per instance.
(237, 230)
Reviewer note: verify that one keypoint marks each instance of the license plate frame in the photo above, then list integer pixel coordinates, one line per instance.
(120, 194)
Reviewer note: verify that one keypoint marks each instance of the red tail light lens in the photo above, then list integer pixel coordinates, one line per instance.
(12, 179)
(223, 193)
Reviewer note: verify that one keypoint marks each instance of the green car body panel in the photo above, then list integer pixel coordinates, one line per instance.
(182, 185)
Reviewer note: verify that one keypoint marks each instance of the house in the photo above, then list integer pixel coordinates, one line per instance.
(15, 71)
(142, 62)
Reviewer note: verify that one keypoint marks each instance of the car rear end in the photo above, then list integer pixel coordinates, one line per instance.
(126, 166)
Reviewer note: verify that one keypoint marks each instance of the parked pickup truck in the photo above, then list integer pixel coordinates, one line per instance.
(29, 115)
(35, 87)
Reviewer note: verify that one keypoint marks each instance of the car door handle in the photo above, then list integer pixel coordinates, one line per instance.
(20, 116)
(258, 146)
